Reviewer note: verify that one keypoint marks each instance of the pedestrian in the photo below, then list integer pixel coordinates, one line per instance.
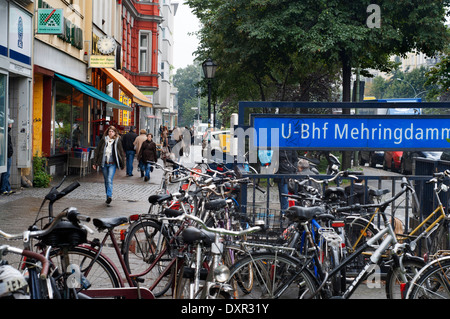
(176, 142)
(5, 188)
(147, 153)
(287, 165)
(165, 147)
(109, 155)
(129, 148)
(304, 167)
(137, 144)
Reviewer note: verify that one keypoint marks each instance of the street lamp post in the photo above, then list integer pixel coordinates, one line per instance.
(415, 92)
(209, 70)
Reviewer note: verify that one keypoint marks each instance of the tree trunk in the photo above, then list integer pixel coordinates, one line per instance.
(346, 97)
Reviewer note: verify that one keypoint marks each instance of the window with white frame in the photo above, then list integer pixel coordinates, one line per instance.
(144, 51)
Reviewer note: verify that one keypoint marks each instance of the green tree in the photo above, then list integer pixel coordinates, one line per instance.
(412, 84)
(265, 48)
(439, 76)
(186, 80)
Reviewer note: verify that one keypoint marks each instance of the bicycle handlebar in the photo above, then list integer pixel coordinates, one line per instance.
(54, 195)
(405, 186)
(29, 254)
(341, 173)
(71, 214)
(439, 176)
(220, 231)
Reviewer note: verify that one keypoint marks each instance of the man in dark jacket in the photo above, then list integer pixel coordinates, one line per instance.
(128, 147)
(147, 153)
(287, 165)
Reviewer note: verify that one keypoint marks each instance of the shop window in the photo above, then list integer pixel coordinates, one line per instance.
(62, 123)
(69, 118)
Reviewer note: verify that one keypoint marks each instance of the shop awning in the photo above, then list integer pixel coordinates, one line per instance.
(136, 95)
(95, 93)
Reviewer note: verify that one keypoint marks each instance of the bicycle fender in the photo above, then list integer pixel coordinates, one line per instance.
(359, 218)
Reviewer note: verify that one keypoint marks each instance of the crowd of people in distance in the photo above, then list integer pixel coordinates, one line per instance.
(115, 151)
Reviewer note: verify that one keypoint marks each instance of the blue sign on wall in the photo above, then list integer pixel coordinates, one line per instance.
(352, 132)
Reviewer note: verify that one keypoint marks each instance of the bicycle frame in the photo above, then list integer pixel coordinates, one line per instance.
(440, 211)
(390, 239)
(434, 225)
(133, 291)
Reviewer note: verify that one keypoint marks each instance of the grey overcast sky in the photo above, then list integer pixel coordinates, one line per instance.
(184, 43)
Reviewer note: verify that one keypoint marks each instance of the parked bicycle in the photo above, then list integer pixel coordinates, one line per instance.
(279, 275)
(214, 285)
(40, 271)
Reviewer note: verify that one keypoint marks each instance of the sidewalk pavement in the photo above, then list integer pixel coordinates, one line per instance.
(130, 194)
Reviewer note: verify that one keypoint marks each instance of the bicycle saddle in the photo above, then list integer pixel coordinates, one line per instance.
(302, 214)
(109, 223)
(192, 235)
(215, 204)
(172, 212)
(158, 199)
(378, 192)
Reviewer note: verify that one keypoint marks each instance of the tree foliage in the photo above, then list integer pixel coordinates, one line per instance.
(439, 76)
(186, 80)
(412, 84)
(267, 50)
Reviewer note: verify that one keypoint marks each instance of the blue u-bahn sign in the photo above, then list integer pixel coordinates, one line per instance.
(352, 132)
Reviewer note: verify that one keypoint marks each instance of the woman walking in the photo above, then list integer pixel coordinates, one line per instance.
(147, 153)
(109, 155)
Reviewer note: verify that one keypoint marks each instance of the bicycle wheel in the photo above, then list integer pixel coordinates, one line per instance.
(440, 240)
(394, 278)
(330, 261)
(270, 273)
(433, 282)
(358, 231)
(143, 243)
(86, 269)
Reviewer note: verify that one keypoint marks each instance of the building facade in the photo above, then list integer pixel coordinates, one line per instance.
(61, 112)
(140, 47)
(16, 85)
(166, 106)
(78, 88)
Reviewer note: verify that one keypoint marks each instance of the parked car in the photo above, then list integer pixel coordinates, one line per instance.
(406, 166)
(371, 157)
(392, 160)
(199, 131)
(220, 142)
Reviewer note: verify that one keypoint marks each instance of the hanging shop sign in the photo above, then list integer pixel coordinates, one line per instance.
(102, 61)
(50, 21)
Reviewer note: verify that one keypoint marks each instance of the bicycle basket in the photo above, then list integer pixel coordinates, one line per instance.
(65, 234)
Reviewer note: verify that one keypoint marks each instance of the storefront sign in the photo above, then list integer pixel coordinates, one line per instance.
(50, 21)
(20, 35)
(102, 61)
(3, 26)
(352, 132)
